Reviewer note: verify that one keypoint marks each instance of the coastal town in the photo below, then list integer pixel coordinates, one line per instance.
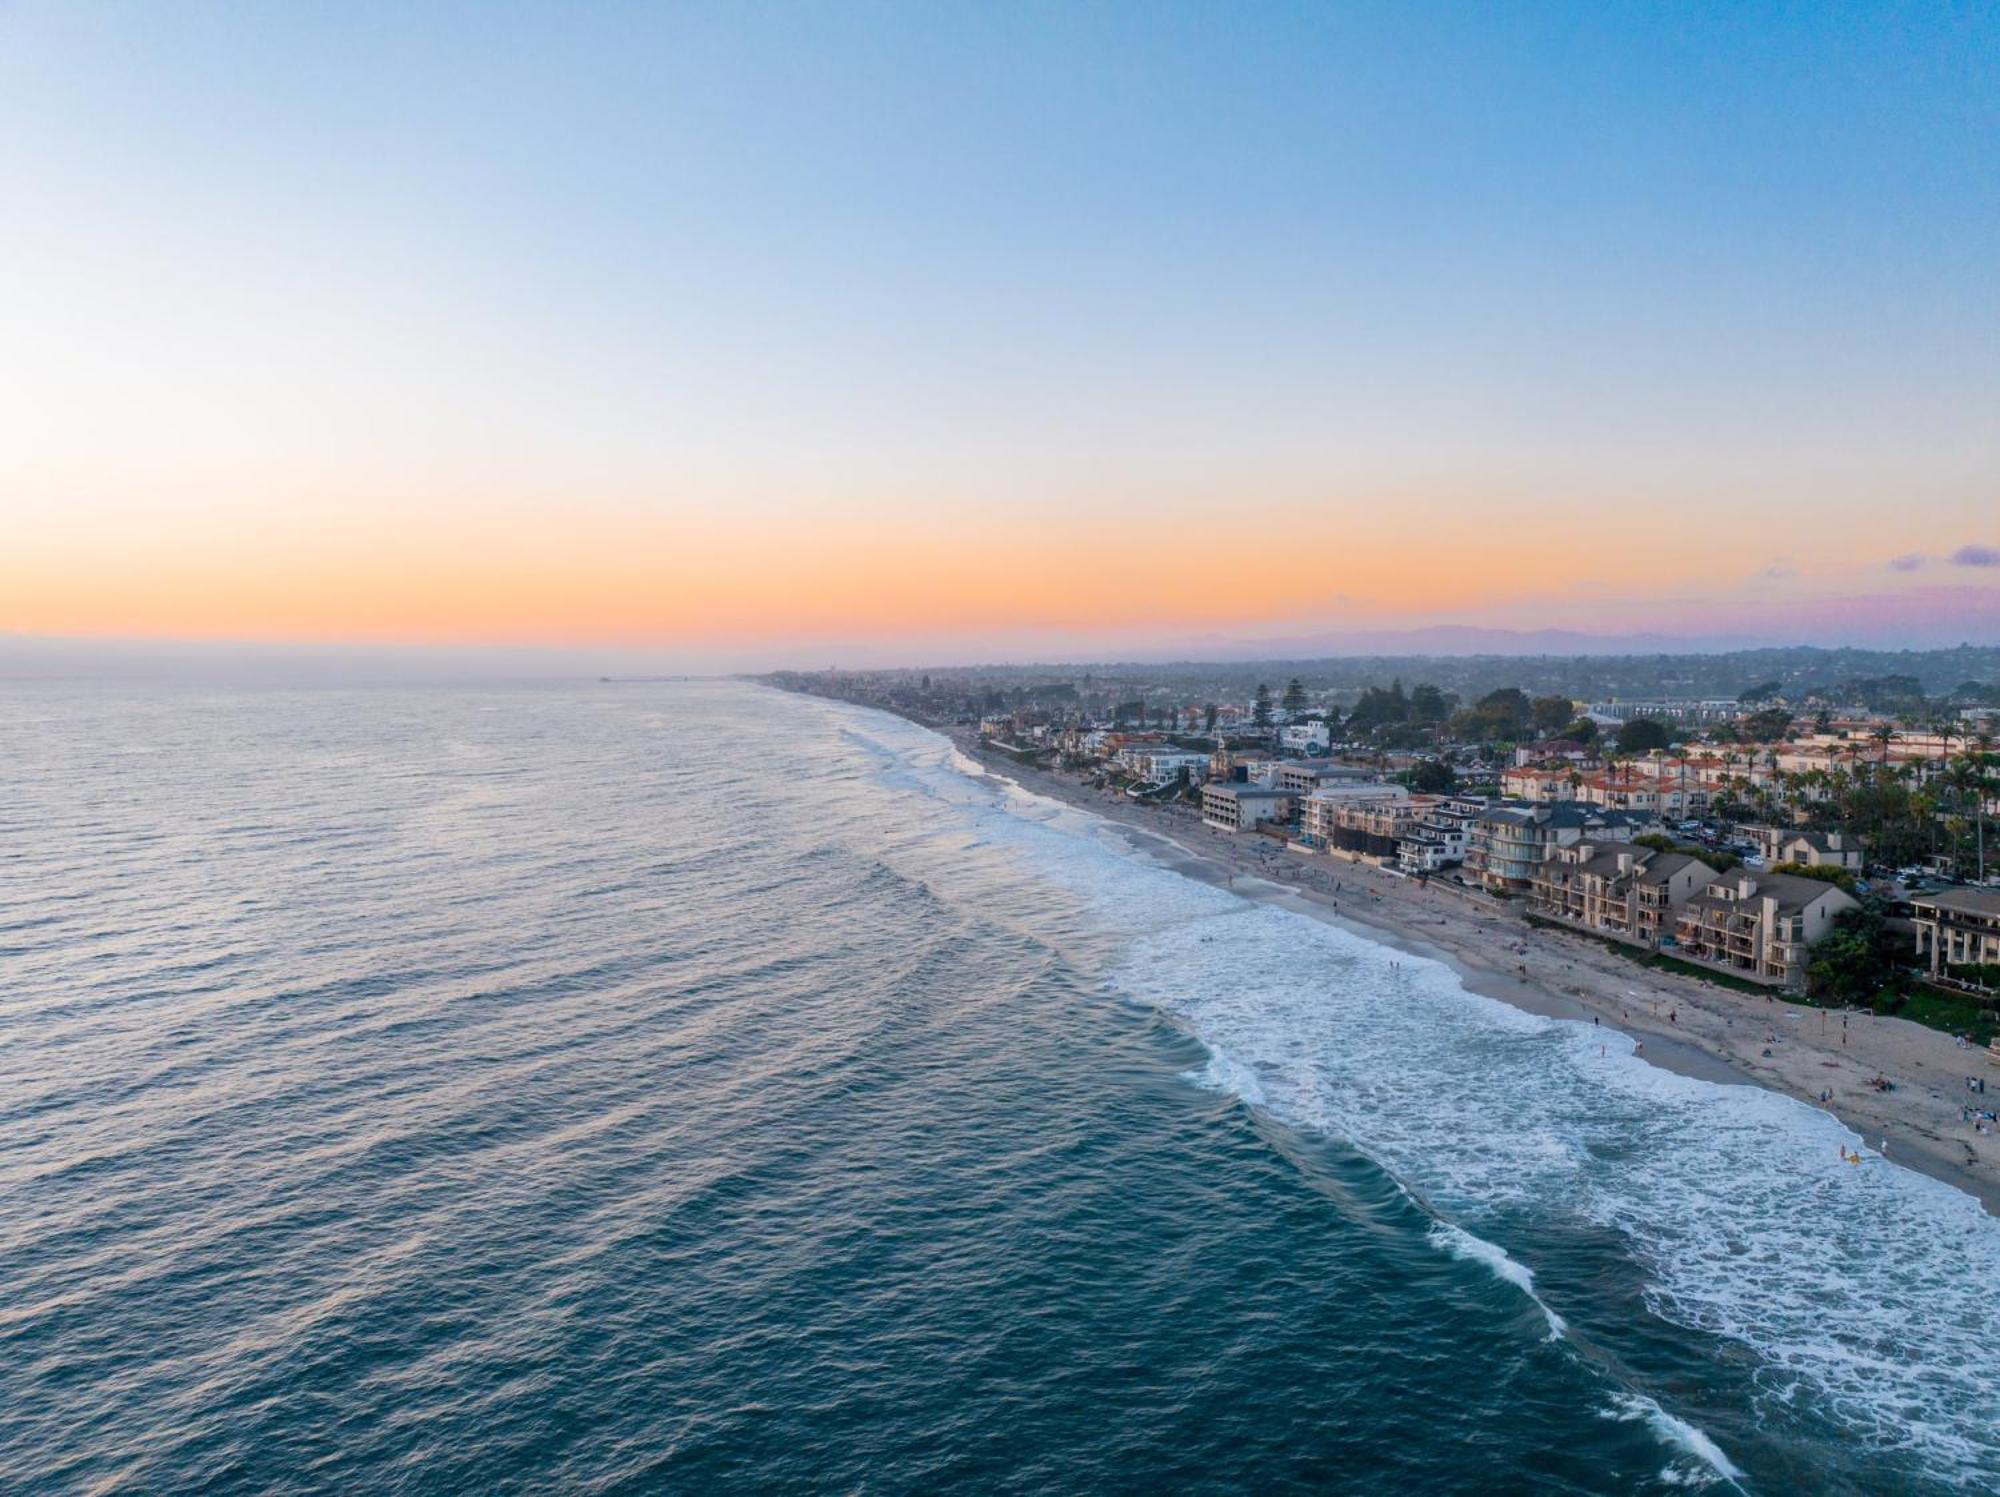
(1827, 856)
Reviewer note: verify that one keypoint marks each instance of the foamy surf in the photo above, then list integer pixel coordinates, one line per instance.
(1458, 1243)
(1864, 1294)
(1676, 1432)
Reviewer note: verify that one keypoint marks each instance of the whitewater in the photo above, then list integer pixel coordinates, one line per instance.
(1865, 1298)
(685, 1086)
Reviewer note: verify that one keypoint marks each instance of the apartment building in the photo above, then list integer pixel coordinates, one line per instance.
(1161, 766)
(1373, 828)
(1441, 835)
(1231, 807)
(1758, 926)
(1617, 888)
(1319, 811)
(1509, 842)
(1539, 784)
(1957, 927)
(1820, 849)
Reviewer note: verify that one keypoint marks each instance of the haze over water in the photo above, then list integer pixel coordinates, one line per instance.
(683, 1087)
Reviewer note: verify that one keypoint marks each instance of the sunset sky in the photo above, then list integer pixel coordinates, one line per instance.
(936, 332)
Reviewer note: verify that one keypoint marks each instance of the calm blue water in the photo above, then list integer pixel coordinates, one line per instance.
(688, 1088)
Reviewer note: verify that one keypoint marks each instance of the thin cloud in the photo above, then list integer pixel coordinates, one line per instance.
(1910, 561)
(1976, 556)
(1777, 570)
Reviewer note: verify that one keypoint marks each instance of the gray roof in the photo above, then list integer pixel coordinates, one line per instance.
(1970, 901)
(1792, 891)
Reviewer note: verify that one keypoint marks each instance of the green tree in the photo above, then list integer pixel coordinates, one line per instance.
(1547, 715)
(1763, 691)
(1583, 730)
(1641, 735)
(1208, 714)
(1260, 709)
(1295, 697)
(1767, 725)
(1432, 777)
(1855, 960)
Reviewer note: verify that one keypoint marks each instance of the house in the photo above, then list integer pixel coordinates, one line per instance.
(1509, 842)
(1305, 738)
(1758, 926)
(1957, 927)
(1550, 749)
(1539, 784)
(1617, 888)
(1232, 807)
(1817, 849)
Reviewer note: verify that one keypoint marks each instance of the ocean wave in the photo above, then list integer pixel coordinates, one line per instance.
(1458, 1243)
(1678, 1433)
(1864, 1295)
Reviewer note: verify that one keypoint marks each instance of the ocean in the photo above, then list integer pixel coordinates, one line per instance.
(686, 1087)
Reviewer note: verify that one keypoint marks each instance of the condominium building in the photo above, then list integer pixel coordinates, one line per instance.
(1441, 836)
(1372, 828)
(1758, 926)
(1616, 888)
(1818, 849)
(1231, 807)
(1319, 812)
(1509, 842)
(1957, 927)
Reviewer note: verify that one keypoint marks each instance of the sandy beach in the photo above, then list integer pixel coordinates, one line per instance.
(1681, 1023)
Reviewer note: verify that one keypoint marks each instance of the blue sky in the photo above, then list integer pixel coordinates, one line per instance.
(936, 271)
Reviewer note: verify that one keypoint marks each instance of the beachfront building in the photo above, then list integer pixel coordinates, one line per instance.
(1303, 776)
(1957, 928)
(1617, 889)
(1441, 835)
(1319, 812)
(1818, 849)
(1232, 807)
(1373, 828)
(1162, 766)
(1758, 926)
(1509, 842)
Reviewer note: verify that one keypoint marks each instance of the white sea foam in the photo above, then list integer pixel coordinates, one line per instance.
(1866, 1295)
(1222, 1074)
(1676, 1432)
(1462, 1244)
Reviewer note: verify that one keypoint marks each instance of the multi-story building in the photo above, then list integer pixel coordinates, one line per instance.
(1758, 926)
(1161, 766)
(1441, 835)
(1319, 811)
(1305, 738)
(1230, 807)
(1819, 849)
(1373, 828)
(1509, 842)
(1616, 888)
(1957, 928)
(1540, 784)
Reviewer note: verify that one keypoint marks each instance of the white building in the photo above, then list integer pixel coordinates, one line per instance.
(1239, 808)
(1305, 738)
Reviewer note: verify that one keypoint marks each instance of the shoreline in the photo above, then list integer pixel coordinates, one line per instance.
(1686, 1026)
